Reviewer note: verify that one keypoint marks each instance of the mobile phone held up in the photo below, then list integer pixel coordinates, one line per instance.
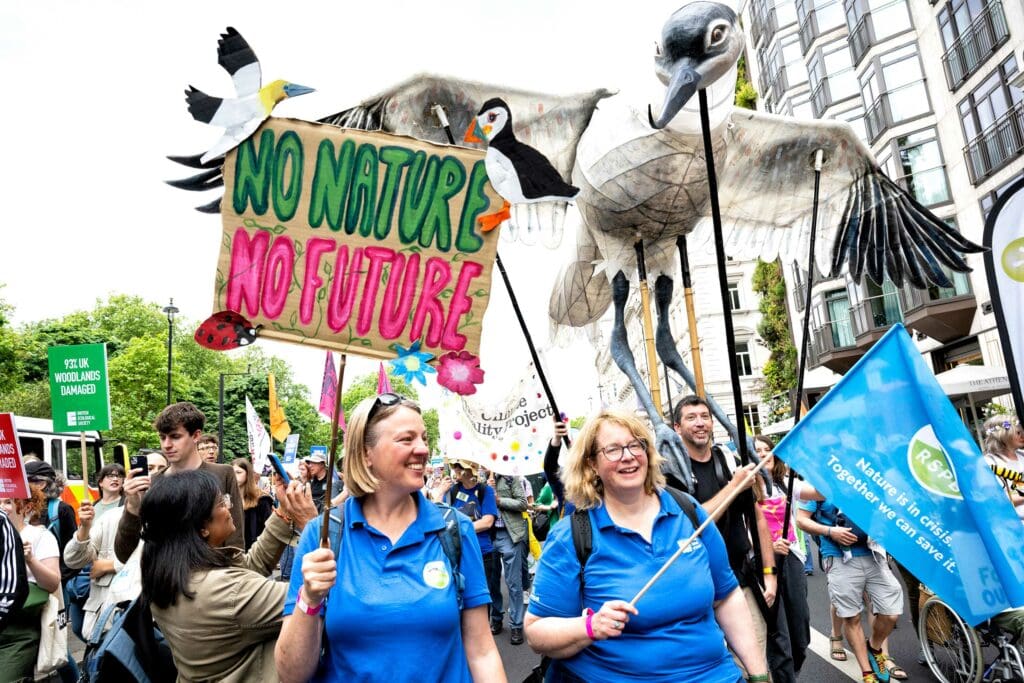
(275, 462)
(136, 462)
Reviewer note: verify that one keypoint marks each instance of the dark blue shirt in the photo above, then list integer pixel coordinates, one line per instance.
(675, 636)
(393, 613)
(828, 548)
(466, 500)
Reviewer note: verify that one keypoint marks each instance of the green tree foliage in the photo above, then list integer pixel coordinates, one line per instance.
(774, 328)
(135, 332)
(746, 95)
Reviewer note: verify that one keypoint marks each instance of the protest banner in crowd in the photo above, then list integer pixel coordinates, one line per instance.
(13, 481)
(887, 447)
(356, 241)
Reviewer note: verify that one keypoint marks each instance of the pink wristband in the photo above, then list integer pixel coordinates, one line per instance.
(589, 623)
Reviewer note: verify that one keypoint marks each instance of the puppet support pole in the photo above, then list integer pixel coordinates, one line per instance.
(85, 469)
(332, 458)
(645, 307)
(691, 316)
(805, 331)
(443, 119)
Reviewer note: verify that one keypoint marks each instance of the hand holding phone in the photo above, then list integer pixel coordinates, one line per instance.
(275, 462)
(140, 461)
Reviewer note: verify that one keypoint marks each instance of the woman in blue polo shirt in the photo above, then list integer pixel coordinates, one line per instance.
(676, 631)
(389, 602)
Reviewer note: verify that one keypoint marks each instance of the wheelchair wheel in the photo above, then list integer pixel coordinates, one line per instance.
(951, 647)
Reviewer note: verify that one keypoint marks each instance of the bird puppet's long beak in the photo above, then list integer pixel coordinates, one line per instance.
(474, 133)
(294, 90)
(683, 84)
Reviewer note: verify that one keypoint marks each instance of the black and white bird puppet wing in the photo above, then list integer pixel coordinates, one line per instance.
(866, 222)
(552, 124)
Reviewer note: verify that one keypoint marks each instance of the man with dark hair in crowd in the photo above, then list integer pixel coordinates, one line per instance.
(316, 464)
(713, 481)
(180, 426)
(209, 447)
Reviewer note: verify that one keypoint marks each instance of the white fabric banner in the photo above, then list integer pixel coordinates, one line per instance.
(259, 439)
(1004, 236)
(508, 438)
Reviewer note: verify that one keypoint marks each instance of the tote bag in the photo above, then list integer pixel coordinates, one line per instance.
(53, 643)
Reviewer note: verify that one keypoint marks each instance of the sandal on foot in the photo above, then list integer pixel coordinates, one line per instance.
(838, 653)
(896, 671)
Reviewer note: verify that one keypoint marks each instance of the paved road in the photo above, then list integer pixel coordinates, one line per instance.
(818, 668)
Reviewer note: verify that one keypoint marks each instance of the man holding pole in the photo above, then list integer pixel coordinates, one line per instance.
(714, 481)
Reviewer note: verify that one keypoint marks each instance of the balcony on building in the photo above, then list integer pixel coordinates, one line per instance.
(817, 17)
(872, 317)
(974, 44)
(997, 145)
(833, 346)
(942, 313)
(831, 90)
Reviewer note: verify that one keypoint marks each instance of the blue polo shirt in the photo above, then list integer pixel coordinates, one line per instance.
(460, 498)
(828, 548)
(675, 637)
(392, 612)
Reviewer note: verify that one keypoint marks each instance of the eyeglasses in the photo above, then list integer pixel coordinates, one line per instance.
(615, 452)
(114, 476)
(208, 447)
(384, 401)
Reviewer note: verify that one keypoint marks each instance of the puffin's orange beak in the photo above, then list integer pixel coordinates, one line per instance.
(473, 133)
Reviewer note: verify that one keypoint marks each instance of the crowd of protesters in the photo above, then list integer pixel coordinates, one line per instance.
(423, 568)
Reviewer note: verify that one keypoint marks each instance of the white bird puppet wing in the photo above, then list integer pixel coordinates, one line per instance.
(241, 115)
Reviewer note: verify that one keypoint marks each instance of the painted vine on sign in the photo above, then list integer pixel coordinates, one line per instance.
(363, 242)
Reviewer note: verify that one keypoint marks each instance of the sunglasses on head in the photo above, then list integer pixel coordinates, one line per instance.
(384, 401)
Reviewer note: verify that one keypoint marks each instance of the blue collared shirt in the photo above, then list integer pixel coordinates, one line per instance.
(488, 505)
(675, 636)
(392, 613)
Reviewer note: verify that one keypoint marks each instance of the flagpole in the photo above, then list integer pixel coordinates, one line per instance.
(443, 119)
(332, 459)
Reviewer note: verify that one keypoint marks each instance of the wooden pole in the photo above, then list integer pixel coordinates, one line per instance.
(85, 469)
(691, 315)
(683, 545)
(332, 459)
(648, 324)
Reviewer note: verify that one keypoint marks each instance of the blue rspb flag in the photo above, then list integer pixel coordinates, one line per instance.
(888, 448)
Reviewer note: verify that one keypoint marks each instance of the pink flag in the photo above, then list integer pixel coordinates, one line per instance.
(329, 391)
(383, 382)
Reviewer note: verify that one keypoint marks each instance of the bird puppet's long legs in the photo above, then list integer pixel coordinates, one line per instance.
(669, 354)
(669, 444)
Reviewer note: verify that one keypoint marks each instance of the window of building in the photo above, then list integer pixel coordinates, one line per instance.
(753, 418)
(743, 364)
(837, 303)
(992, 117)
(855, 117)
(872, 21)
(818, 17)
(831, 75)
(971, 32)
(734, 297)
(894, 90)
(989, 200)
(916, 163)
(799, 106)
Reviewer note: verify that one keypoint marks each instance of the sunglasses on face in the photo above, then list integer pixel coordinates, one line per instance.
(384, 401)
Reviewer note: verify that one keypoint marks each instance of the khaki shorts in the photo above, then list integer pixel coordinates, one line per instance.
(849, 581)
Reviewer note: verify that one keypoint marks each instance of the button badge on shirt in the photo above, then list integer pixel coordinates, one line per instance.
(435, 575)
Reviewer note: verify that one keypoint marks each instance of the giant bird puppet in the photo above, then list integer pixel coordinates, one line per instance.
(640, 168)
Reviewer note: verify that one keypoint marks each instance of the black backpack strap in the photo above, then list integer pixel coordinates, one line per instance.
(582, 541)
(451, 544)
(722, 475)
(687, 503)
(481, 491)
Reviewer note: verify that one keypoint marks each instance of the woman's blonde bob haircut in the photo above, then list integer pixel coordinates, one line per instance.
(359, 436)
(582, 485)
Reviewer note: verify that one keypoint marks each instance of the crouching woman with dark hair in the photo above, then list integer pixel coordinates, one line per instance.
(215, 606)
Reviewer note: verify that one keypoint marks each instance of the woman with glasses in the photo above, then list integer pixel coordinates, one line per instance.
(1003, 441)
(678, 631)
(215, 606)
(383, 603)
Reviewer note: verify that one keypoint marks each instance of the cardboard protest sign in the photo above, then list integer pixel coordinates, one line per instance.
(79, 387)
(356, 241)
(509, 437)
(13, 480)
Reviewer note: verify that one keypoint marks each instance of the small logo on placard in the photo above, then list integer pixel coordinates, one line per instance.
(435, 575)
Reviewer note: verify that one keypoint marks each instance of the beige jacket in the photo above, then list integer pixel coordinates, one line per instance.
(228, 631)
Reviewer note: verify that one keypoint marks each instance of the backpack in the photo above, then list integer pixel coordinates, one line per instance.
(132, 650)
(53, 515)
(451, 542)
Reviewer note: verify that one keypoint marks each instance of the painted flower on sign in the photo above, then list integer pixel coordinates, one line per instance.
(411, 364)
(460, 371)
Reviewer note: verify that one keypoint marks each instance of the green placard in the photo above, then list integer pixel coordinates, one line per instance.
(79, 387)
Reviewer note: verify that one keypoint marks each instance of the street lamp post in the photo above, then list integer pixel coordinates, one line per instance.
(220, 405)
(170, 309)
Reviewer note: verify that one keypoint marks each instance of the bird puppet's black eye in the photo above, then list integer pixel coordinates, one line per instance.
(491, 117)
(717, 34)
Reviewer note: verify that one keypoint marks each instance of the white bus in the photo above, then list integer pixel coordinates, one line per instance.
(63, 451)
